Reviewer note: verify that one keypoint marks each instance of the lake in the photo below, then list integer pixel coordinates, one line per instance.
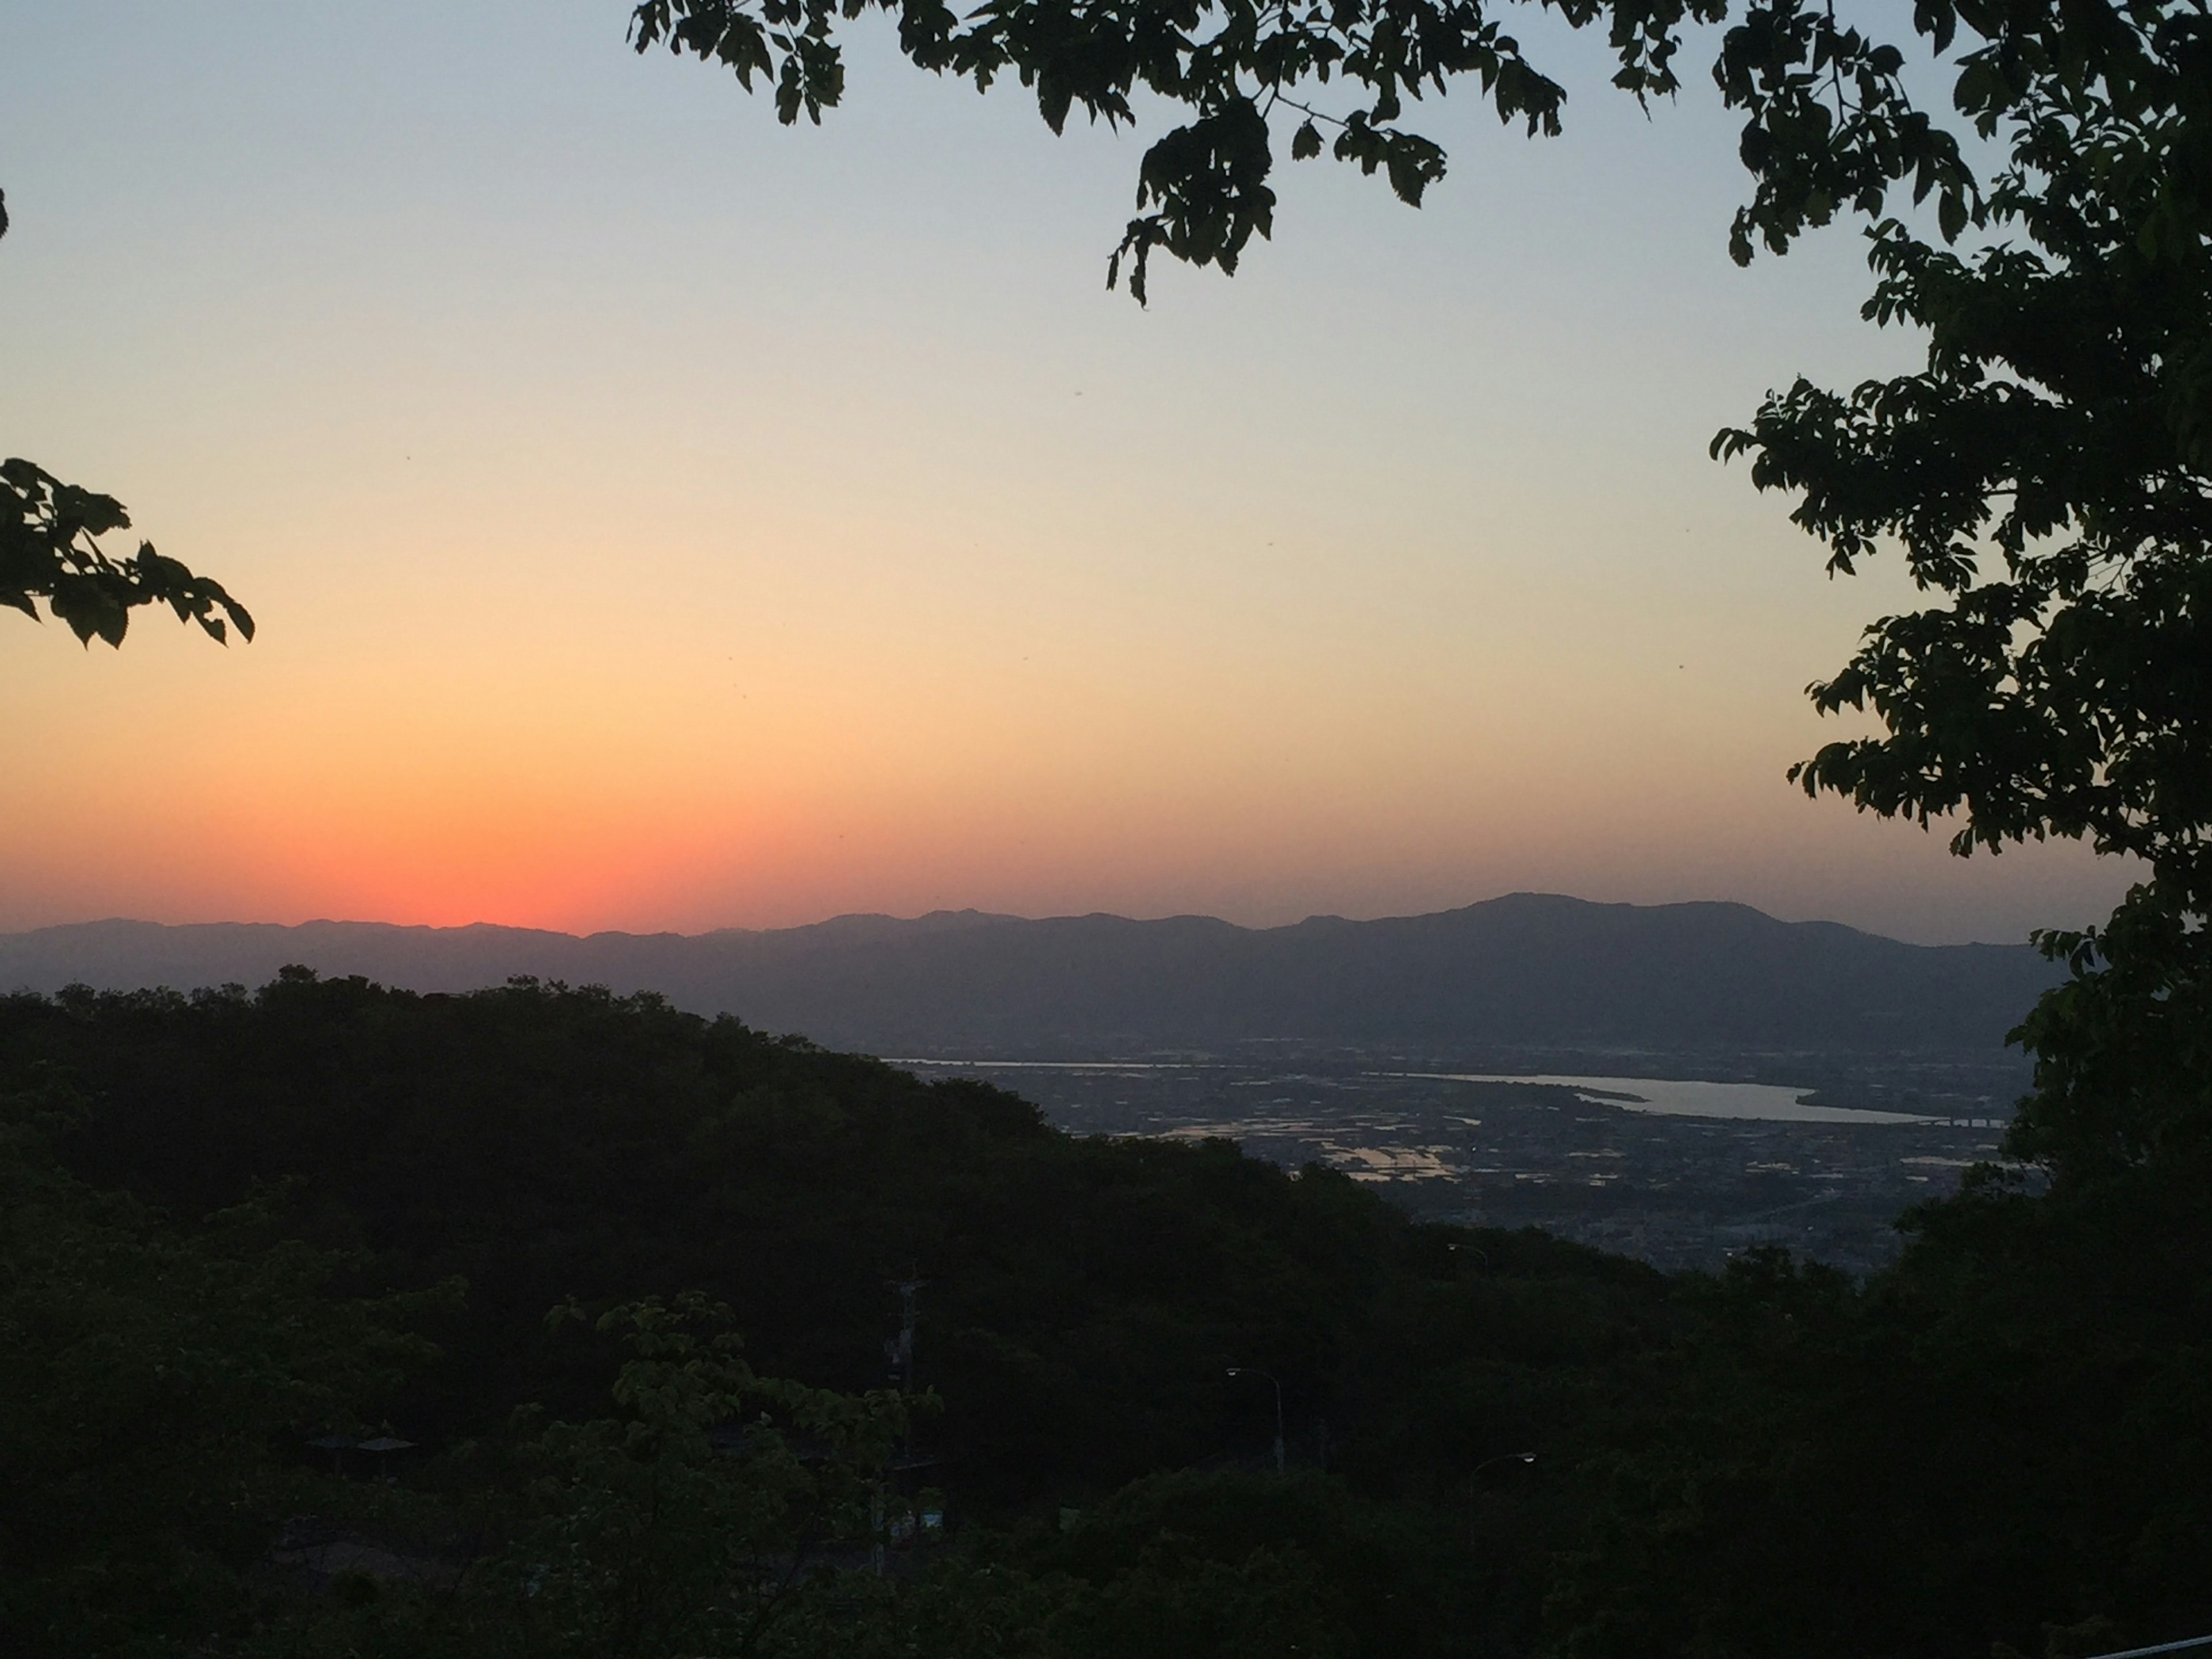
(1664, 1097)
(1670, 1098)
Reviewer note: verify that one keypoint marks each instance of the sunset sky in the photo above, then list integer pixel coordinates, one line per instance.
(659, 519)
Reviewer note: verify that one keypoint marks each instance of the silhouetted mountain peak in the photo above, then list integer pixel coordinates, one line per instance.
(1523, 968)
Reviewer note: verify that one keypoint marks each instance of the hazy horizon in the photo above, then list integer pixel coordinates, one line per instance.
(924, 916)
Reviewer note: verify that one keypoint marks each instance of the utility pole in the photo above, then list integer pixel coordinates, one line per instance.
(900, 1349)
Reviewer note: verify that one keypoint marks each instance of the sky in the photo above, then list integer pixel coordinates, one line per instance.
(659, 519)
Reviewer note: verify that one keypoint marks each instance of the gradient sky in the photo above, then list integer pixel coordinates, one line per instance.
(661, 519)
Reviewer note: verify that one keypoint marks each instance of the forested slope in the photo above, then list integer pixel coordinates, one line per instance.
(1083, 1298)
(2004, 1432)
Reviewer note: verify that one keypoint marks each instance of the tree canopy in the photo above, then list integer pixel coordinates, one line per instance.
(2049, 473)
(1828, 123)
(2001, 1434)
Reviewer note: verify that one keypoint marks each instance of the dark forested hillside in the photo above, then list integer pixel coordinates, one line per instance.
(1083, 1298)
(1494, 1443)
(1526, 969)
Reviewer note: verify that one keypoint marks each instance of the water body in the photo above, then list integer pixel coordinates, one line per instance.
(1770, 1102)
(1662, 1096)
(1054, 1065)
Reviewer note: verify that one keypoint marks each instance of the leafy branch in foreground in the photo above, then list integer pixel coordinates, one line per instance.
(2050, 472)
(49, 549)
(1829, 125)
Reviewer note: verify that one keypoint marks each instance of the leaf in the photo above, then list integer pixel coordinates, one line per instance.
(1951, 215)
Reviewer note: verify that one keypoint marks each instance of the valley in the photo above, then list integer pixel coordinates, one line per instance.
(1674, 1189)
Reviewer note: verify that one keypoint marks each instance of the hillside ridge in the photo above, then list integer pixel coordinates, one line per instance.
(1529, 968)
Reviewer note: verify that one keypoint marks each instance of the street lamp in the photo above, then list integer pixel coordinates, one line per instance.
(1248, 1370)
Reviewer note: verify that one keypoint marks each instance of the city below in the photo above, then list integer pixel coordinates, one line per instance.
(1663, 1176)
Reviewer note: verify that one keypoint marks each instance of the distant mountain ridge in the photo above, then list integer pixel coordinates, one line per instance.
(1529, 968)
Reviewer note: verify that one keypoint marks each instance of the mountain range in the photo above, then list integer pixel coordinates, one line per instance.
(1526, 969)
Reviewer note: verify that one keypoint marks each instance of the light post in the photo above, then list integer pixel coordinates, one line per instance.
(1248, 1370)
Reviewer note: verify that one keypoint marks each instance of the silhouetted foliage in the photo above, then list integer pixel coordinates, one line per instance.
(1828, 124)
(2050, 472)
(50, 550)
